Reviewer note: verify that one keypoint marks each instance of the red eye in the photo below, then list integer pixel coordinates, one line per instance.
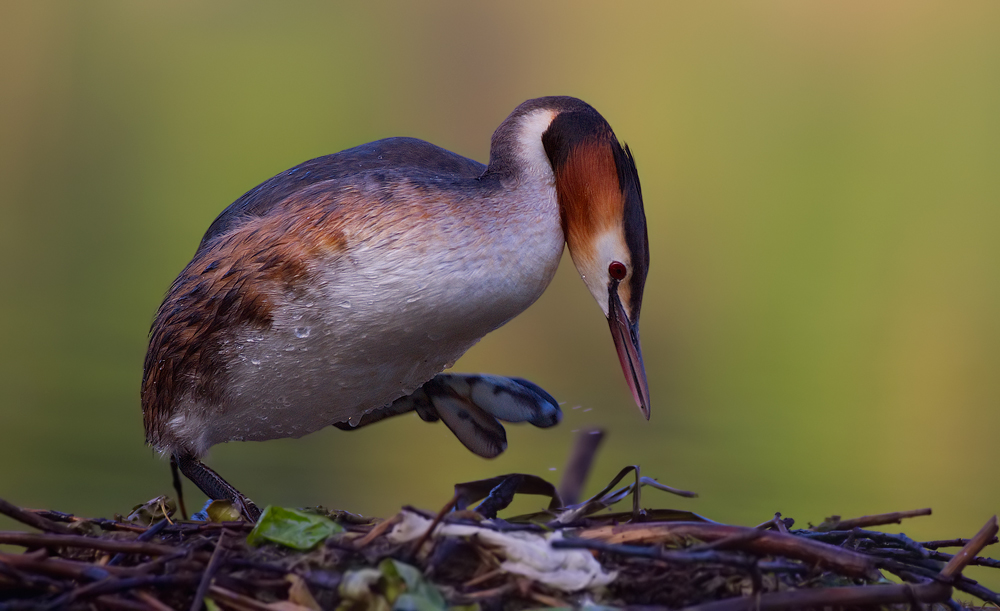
(617, 270)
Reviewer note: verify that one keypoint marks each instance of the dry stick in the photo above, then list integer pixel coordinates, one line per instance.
(938, 591)
(971, 549)
(907, 556)
(952, 543)
(578, 465)
(733, 541)
(31, 519)
(978, 560)
(66, 568)
(60, 517)
(152, 601)
(11, 576)
(109, 586)
(148, 535)
(434, 524)
(682, 557)
(548, 601)
(497, 591)
(115, 602)
(104, 545)
(475, 581)
(777, 523)
(206, 578)
(766, 543)
(833, 597)
(842, 537)
(377, 531)
(235, 600)
(894, 517)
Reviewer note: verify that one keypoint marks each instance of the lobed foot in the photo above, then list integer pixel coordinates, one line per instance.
(472, 406)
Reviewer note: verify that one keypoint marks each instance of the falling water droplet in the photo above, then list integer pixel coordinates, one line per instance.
(302, 332)
(354, 420)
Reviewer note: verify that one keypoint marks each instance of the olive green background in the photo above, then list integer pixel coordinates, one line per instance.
(822, 189)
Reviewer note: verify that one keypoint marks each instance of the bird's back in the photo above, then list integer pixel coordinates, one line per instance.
(390, 157)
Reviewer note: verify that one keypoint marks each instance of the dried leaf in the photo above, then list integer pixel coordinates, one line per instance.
(151, 511)
(606, 498)
(222, 511)
(299, 593)
(287, 605)
(499, 492)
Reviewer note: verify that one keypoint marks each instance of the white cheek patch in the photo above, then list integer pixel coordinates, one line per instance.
(593, 265)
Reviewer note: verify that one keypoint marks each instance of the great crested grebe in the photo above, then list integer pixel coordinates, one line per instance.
(336, 292)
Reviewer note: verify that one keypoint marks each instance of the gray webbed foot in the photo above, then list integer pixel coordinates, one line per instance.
(471, 405)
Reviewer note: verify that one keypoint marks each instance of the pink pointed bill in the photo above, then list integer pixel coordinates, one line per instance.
(626, 336)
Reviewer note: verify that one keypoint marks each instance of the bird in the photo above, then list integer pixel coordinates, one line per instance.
(340, 290)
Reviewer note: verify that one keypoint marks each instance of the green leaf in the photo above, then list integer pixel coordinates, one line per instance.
(416, 602)
(406, 589)
(292, 528)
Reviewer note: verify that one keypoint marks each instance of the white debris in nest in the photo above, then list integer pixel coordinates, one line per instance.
(525, 553)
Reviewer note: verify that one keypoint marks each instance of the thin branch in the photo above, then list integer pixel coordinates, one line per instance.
(839, 536)
(234, 599)
(206, 578)
(895, 517)
(109, 586)
(105, 545)
(952, 543)
(833, 597)
(680, 557)
(766, 543)
(31, 519)
(978, 560)
(148, 535)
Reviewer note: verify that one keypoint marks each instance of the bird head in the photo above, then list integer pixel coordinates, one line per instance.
(600, 203)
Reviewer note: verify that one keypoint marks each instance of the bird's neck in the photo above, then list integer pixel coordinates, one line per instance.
(516, 151)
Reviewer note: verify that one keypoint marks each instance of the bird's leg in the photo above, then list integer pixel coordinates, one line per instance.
(471, 405)
(216, 488)
(177, 486)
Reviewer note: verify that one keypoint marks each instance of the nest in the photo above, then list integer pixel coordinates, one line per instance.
(569, 555)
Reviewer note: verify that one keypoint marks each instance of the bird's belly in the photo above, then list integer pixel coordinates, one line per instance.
(294, 380)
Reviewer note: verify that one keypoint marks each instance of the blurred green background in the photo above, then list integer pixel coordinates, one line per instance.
(822, 188)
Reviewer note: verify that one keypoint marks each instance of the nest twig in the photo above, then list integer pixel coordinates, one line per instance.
(650, 558)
